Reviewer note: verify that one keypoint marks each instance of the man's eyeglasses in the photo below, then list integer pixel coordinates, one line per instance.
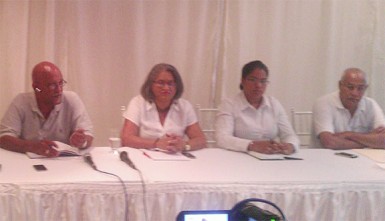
(164, 83)
(257, 80)
(60, 84)
(351, 87)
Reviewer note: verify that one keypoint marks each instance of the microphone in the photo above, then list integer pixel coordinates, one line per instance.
(124, 157)
(87, 157)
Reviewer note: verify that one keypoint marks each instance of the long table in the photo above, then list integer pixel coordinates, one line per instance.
(323, 186)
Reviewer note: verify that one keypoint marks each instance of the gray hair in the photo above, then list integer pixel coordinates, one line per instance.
(146, 91)
(349, 71)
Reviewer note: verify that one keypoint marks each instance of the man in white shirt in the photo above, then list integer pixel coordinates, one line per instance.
(346, 119)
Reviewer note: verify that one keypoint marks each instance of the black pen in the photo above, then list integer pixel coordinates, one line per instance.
(292, 158)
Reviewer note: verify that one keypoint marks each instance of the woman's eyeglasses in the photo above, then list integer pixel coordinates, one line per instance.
(165, 83)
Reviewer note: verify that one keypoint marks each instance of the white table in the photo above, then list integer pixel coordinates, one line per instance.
(320, 187)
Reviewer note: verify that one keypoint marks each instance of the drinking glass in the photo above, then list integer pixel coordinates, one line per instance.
(114, 140)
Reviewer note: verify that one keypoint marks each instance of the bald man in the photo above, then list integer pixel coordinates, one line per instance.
(346, 119)
(35, 119)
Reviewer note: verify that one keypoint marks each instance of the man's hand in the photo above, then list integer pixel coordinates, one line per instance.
(378, 130)
(44, 148)
(78, 139)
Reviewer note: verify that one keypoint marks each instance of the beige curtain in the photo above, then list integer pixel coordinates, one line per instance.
(106, 48)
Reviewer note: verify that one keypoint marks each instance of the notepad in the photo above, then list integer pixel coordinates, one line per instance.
(164, 156)
(64, 151)
(377, 155)
(262, 156)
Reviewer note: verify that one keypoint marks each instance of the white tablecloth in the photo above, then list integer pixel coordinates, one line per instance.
(320, 187)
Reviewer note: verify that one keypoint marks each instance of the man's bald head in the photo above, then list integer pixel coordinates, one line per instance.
(47, 82)
(353, 74)
(43, 70)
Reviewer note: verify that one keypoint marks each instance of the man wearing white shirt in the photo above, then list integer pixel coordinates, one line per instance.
(347, 119)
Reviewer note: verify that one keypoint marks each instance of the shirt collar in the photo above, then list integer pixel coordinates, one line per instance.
(36, 109)
(33, 104)
(152, 106)
(244, 104)
(337, 100)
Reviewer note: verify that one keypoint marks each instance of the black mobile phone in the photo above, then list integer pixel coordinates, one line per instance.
(39, 167)
(189, 155)
(343, 154)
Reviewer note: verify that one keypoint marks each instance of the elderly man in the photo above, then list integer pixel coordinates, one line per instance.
(35, 119)
(347, 119)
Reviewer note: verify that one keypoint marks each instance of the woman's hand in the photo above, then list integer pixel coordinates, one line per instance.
(171, 143)
(271, 147)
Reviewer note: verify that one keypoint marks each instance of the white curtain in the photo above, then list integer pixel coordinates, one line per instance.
(106, 48)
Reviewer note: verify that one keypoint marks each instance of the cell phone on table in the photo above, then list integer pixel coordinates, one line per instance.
(39, 167)
(189, 155)
(344, 154)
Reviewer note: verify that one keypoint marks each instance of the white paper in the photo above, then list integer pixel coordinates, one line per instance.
(262, 156)
(164, 156)
(64, 150)
(377, 155)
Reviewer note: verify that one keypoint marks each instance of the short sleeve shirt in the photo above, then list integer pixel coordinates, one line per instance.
(329, 115)
(145, 115)
(24, 120)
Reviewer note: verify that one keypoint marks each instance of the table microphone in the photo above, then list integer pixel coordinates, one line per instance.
(87, 157)
(124, 157)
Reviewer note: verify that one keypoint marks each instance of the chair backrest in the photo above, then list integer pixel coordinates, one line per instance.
(206, 118)
(302, 121)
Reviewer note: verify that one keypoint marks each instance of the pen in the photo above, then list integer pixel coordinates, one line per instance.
(145, 154)
(292, 158)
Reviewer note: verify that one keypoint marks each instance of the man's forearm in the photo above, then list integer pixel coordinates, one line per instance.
(374, 140)
(338, 142)
(14, 144)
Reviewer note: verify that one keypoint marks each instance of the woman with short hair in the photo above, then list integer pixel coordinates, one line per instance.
(159, 117)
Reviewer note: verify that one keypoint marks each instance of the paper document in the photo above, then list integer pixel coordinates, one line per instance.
(64, 150)
(262, 156)
(164, 156)
(382, 165)
(377, 155)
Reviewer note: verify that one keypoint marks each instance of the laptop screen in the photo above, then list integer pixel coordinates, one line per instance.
(204, 215)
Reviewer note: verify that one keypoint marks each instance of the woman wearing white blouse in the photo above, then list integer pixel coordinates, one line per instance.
(252, 121)
(159, 117)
